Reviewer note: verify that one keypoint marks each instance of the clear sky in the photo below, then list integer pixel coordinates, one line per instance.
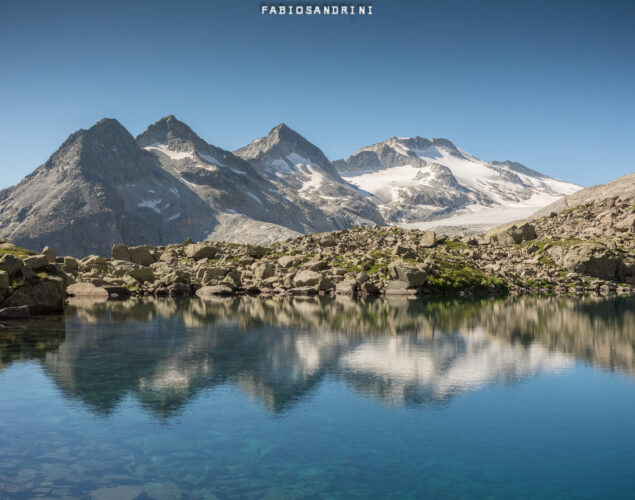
(550, 84)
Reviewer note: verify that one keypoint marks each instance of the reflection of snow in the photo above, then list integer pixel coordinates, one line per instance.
(446, 364)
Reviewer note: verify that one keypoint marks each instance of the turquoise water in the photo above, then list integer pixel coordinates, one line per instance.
(321, 398)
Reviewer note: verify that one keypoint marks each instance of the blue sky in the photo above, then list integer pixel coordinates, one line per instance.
(549, 84)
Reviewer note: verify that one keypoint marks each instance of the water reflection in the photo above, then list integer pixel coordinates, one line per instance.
(399, 351)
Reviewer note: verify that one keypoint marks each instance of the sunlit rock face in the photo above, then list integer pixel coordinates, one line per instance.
(279, 350)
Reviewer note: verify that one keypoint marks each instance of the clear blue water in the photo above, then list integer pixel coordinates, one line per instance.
(321, 398)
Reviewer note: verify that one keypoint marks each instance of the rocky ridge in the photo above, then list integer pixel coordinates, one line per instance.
(589, 248)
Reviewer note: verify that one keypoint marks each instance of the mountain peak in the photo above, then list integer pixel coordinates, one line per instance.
(279, 143)
(171, 132)
(107, 132)
(283, 132)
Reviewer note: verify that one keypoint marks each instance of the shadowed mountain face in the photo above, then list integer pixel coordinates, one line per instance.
(400, 351)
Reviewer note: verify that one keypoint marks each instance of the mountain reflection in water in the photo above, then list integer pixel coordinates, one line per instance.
(400, 351)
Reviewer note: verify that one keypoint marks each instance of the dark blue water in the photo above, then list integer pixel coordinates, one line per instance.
(321, 398)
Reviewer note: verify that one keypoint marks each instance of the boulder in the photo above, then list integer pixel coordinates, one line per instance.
(49, 253)
(315, 265)
(18, 312)
(264, 271)
(36, 262)
(120, 252)
(179, 289)
(10, 264)
(428, 239)
(41, 297)
(5, 282)
(93, 260)
(328, 240)
(306, 278)
(215, 290)
(347, 287)
(592, 259)
(369, 288)
(627, 225)
(404, 251)
(513, 235)
(397, 287)
(84, 289)
(201, 251)
(70, 264)
(141, 255)
(233, 278)
(256, 251)
(289, 260)
(325, 284)
(214, 272)
(302, 290)
(117, 291)
(409, 274)
(28, 273)
(142, 274)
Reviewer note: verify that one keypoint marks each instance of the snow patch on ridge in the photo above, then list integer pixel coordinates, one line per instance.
(252, 195)
(153, 204)
(210, 159)
(163, 148)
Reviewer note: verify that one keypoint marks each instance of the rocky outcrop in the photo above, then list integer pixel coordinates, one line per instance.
(29, 283)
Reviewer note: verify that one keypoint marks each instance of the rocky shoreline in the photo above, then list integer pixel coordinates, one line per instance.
(587, 249)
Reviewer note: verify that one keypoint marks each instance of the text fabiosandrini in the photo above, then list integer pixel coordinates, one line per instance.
(317, 10)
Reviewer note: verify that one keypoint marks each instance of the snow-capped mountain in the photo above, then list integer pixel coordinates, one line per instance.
(417, 180)
(103, 187)
(304, 174)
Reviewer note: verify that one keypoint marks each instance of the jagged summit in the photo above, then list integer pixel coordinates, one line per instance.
(278, 145)
(170, 133)
(302, 172)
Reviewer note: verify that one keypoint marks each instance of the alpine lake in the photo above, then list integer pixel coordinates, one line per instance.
(339, 398)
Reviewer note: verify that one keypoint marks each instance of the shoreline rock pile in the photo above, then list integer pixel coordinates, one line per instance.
(586, 249)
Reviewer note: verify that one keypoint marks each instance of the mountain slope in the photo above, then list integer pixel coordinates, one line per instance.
(97, 189)
(417, 179)
(622, 187)
(303, 173)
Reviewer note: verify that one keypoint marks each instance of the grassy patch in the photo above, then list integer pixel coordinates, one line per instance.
(458, 276)
(17, 252)
(454, 244)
